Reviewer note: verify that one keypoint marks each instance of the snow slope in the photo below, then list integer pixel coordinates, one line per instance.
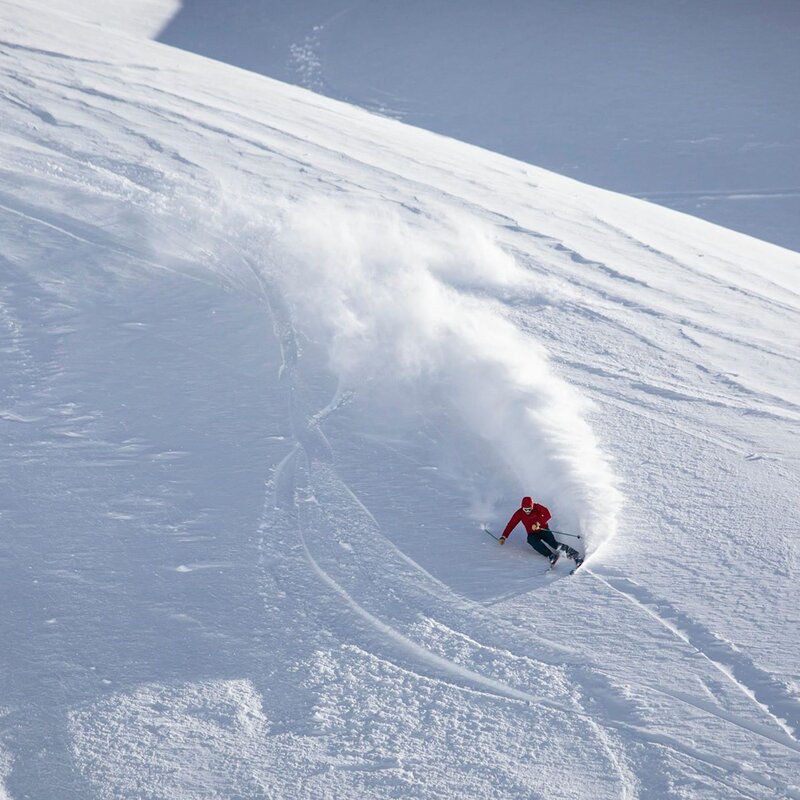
(268, 362)
(689, 103)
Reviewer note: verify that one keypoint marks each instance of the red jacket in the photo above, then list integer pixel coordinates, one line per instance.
(540, 515)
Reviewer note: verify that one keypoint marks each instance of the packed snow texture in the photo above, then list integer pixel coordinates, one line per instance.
(268, 363)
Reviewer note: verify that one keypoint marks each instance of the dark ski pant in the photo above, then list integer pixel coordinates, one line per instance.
(539, 541)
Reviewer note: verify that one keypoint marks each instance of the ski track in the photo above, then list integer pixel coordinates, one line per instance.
(758, 686)
(285, 479)
(284, 495)
(716, 768)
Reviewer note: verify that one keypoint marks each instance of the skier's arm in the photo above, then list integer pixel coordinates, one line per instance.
(512, 523)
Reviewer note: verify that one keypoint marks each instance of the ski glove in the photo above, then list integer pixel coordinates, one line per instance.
(502, 540)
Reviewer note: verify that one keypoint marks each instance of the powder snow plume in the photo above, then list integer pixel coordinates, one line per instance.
(416, 302)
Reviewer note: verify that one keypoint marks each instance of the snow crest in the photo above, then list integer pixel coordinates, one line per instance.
(419, 304)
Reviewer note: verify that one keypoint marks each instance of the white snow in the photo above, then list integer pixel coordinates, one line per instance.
(268, 363)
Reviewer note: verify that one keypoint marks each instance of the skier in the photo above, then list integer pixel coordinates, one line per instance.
(535, 517)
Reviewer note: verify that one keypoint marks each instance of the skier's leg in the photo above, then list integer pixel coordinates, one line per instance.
(539, 546)
(547, 535)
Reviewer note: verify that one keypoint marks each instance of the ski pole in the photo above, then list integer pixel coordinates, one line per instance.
(561, 533)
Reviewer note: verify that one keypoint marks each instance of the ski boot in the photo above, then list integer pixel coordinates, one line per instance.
(578, 561)
(570, 551)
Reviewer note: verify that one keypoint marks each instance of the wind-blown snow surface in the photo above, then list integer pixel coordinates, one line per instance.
(690, 103)
(268, 361)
